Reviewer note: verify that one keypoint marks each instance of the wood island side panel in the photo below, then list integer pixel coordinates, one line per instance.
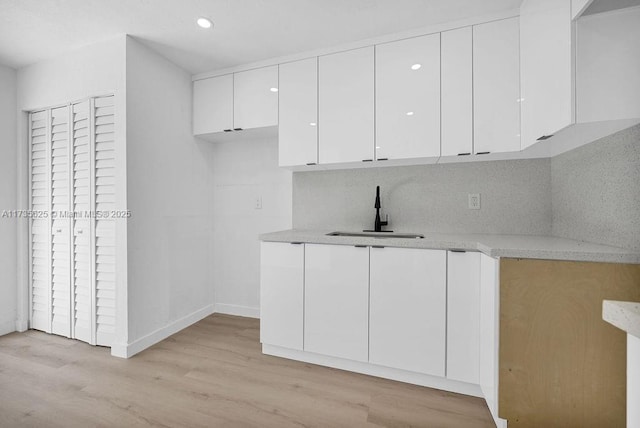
(561, 364)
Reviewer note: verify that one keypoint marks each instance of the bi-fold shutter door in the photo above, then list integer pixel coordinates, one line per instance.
(104, 136)
(83, 290)
(39, 222)
(60, 223)
(72, 169)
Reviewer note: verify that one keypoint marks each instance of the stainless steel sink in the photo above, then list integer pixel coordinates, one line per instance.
(378, 235)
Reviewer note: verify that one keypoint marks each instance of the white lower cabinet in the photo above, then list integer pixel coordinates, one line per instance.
(399, 313)
(281, 294)
(407, 309)
(463, 316)
(336, 301)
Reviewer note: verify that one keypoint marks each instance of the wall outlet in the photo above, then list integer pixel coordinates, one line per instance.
(258, 203)
(474, 201)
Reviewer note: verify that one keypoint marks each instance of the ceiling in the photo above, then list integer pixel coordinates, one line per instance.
(245, 30)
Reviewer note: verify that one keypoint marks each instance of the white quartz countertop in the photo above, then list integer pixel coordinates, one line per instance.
(512, 246)
(624, 315)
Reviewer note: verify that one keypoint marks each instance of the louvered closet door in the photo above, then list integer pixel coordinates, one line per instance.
(104, 132)
(82, 280)
(40, 306)
(60, 223)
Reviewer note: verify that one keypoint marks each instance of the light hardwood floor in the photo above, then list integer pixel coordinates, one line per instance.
(211, 374)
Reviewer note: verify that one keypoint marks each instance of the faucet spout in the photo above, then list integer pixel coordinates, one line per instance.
(378, 222)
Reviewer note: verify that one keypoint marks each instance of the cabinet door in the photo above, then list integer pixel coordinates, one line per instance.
(408, 98)
(255, 98)
(407, 313)
(213, 104)
(463, 316)
(489, 330)
(298, 117)
(546, 68)
(281, 294)
(496, 87)
(457, 92)
(346, 106)
(336, 317)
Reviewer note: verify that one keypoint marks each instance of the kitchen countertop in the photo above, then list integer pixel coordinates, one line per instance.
(624, 315)
(511, 246)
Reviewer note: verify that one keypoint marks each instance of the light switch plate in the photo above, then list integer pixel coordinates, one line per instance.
(474, 201)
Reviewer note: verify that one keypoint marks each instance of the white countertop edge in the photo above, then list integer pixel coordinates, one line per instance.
(624, 315)
(496, 246)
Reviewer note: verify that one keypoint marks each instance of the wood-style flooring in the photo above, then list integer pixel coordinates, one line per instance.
(211, 374)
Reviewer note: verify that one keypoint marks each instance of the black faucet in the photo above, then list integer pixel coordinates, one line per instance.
(379, 223)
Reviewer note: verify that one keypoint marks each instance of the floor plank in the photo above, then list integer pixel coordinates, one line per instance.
(210, 374)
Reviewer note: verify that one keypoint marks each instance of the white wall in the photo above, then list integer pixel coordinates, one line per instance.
(169, 194)
(97, 69)
(244, 171)
(8, 201)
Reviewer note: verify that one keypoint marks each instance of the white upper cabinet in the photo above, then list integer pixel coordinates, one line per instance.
(546, 68)
(496, 87)
(255, 95)
(213, 105)
(346, 106)
(408, 98)
(457, 92)
(298, 117)
(407, 309)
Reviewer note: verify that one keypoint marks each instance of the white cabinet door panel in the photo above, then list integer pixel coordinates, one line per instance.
(255, 98)
(546, 39)
(489, 330)
(408, 98)
(213, 104)
(336, 301)
(346, 106)
(298, 117)
(407, 314)
(496, 87)
(457, 92)
(281, 294)
(463, 316)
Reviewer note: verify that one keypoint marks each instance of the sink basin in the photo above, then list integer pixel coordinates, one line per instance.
(378, 235)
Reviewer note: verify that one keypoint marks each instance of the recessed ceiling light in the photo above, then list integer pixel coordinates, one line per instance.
(204, 22)
(409, 113)
(312, 123)
(416, 66)
(274, 89)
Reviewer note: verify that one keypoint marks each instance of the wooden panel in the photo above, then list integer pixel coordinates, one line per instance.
(560, 363)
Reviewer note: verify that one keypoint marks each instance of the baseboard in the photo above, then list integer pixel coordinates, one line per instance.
(7, 327)
(139, 345)
(375, 370)
(22, 325)
(241, 311)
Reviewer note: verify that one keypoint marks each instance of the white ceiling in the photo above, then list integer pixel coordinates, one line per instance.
(245, 30)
